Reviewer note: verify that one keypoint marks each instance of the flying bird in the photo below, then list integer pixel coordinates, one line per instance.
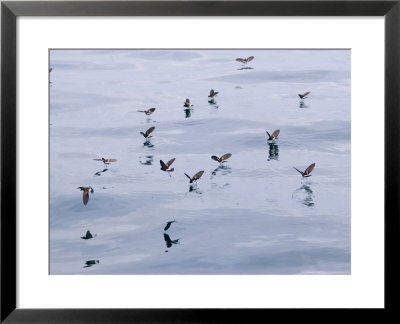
(307, 171)
(187, 103)
(169, 225)
(165, 166)
(213, 93)
(245, 60)
(106, 161)
(148, 111)
(273, 135)
(222, 158)
(147, 133)
(304, 95)
(88, 236)
(86, 193)
(196, 177)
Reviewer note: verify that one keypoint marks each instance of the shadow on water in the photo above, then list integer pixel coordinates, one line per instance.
(273, 152)
(304, 195)
(90, 263)
(149, 160)
(98, 173)
(148, 143)
(188, 112)
(169, 242)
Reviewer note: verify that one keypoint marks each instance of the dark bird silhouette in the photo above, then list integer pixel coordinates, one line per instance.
(168, 240)
(106, 161)
(222, 158)
(304, 95)
(88, 236)
(86, 193)
(187, 103)
(196, 177)
(98, 172)
(147, 133)
(148, 111)
(90, 263)
(245, 60)
(165, 166)
(273, 135)
(169, 225)
(307, 171)
(51, 69)
(213, 93)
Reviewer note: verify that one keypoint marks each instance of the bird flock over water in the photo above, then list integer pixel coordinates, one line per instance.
(166, 166)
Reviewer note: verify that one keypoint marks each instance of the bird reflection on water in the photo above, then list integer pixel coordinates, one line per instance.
(149, 160)
(169, 242)
(223, 169)
(148, 143)
(98, 173)
(304, 195)
(188, 112)
(302, 104)
(90, 263)
(273, 152)
(195, 188)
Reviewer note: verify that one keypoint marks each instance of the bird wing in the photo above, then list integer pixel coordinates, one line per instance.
(240, 60)
(298, 170)
(163, 165)
(170, 162)
(198, 175)
(168, 225)
(268, 134)
(88, 234)
(188, 176)
(98, 159)
(276, 133)
(85, 197)
(211, 93)
(306, 93)
(309, 169)
(215, 93)
(151, 110)
(215, 158)
(150, 130)
(250, 58)
(225, 156)
(111, 160)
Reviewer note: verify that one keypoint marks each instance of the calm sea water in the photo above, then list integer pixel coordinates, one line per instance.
(253, 215)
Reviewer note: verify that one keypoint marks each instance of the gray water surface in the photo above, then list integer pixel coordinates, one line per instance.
(252, 215)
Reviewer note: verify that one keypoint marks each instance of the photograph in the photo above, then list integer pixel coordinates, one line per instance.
(188, 161)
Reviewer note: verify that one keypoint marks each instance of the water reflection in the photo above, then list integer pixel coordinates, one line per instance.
(273, 153)
(304, 195)
(98, 173)
(188, 112)
(245, 68)
(223, 169)
(88, 236)
(302, 104)
(149, 160)
(194, 188)
(169, 242)
(148, 143)
(90, 263)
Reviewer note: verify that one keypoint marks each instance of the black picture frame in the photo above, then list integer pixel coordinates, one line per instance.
(10, 10)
